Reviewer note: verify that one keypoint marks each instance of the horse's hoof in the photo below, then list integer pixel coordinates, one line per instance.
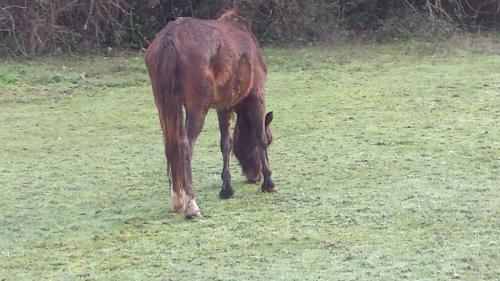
(175, 208)
(269, 189)
(192, 210)
(226, 193)
(193, 215)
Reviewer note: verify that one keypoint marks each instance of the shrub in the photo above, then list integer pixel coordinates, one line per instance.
(37, 26)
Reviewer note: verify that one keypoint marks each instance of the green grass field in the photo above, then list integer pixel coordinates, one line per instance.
(387, 158)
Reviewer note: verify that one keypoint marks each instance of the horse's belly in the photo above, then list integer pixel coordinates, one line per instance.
(226, 99)
(232, 81)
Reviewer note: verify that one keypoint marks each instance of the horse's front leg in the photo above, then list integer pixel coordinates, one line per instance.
(225, 116)
(268, 184)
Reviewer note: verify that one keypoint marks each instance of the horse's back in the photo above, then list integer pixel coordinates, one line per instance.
(205, 39)
(219, 52)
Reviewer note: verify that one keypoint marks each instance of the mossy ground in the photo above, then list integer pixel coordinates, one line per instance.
(387, 158)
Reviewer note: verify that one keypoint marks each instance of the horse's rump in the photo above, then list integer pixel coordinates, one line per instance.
(221, 50)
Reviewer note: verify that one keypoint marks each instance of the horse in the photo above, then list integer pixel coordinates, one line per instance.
(195, 65)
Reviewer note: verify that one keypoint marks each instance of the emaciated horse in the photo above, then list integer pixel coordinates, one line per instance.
(200, 64)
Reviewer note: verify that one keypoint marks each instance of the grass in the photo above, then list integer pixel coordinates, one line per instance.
(387, 158)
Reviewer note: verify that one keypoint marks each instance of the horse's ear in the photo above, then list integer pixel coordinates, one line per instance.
(269, 118)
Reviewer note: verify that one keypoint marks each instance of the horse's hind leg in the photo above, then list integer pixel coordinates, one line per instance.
(194, 125)
(183, 198)
(225, 147)
(196, 102)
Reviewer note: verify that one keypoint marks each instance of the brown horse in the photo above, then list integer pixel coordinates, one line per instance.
(201, 64)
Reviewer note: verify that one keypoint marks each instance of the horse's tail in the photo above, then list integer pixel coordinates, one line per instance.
(169, 102)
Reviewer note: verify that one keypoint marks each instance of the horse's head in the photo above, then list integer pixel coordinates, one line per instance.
(246, 146)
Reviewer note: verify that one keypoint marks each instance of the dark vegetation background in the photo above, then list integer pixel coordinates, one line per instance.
(38, 26)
